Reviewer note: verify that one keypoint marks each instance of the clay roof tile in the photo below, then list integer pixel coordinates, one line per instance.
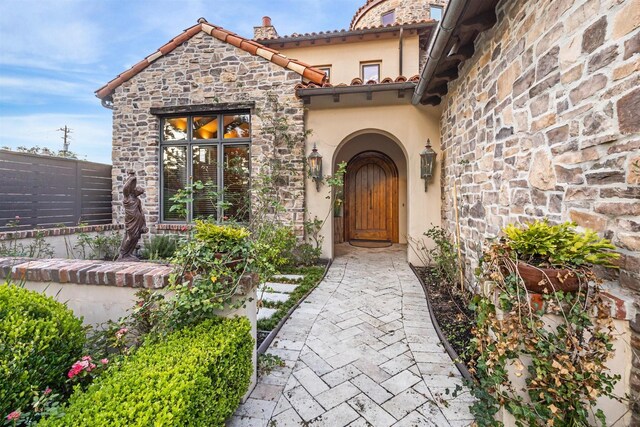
(308, 72)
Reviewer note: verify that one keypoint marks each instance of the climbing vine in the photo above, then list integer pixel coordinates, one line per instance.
(561, 358)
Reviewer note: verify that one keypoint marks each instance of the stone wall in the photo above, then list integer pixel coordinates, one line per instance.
(544, 122)
(406, 11)
(205, 70)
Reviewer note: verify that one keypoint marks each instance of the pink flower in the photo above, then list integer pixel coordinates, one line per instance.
(18, 218)
(121, 333)
(104, 361)
(88, 358)
(47, 391)
(13, 416)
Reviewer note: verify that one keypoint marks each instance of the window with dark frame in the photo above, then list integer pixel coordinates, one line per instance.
(213, 149)
(389, 17)
(370, 71)
(435, 12)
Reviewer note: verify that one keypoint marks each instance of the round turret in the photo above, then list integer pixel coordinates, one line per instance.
(375, 13)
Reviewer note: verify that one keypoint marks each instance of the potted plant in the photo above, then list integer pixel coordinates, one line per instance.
(551, 257)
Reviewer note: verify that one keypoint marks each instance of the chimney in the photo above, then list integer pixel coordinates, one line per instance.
(266, 31)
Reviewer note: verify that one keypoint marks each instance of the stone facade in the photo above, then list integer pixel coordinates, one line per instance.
(544, 122)
(405, 10)
(206, 71)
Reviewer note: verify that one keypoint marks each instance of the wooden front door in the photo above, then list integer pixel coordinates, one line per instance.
(371, 198)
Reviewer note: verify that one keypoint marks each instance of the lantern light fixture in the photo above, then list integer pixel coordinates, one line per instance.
(315, 166)
(427, 163)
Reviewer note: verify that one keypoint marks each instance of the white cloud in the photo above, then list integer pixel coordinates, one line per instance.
(28, 89)
(90, 137)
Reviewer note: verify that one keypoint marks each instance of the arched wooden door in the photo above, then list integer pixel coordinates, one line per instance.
(371, 198)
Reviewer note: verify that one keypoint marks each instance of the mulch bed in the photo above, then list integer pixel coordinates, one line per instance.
(451, 310)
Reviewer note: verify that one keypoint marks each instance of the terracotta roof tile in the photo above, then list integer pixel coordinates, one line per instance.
(343, 32)
(358, 82)
(254, 48)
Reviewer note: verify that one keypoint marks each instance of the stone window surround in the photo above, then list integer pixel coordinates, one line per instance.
(391, 13)
(190, 111)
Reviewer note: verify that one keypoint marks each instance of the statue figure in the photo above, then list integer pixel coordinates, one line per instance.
(134, 221)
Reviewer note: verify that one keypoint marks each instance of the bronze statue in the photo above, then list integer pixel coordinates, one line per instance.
(134, 221)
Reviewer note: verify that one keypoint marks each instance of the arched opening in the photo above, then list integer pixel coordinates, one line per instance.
(374, 198)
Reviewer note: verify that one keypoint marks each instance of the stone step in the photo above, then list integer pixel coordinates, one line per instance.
(288, 276)
(283, 288)
(266, 313)
(273, 297)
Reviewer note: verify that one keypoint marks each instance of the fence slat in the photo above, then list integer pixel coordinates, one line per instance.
(48, 191)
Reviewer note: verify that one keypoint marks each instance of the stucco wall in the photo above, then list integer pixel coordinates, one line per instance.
(204, 70)
(544, 122)
(345, 59)
(404, 125)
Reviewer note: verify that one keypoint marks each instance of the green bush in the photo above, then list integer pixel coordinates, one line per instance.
(39, 340)
(193, 377)
(542, 244)
(274, 246)
(160, 247)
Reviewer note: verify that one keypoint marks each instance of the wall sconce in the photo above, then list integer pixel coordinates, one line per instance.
(315, 166)
(427, 163)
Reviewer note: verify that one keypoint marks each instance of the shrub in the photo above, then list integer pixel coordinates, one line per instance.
(160, 247)
(274, 245)
(194, 377)
(542, 244)
(39, 340)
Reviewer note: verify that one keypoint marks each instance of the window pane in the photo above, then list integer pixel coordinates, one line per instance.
(371, 72)
(205, 127)
(174, 177)
(236, 183)
(174, 129)
(436, 13)
(205, 169)
(388, 18)
(237, 126)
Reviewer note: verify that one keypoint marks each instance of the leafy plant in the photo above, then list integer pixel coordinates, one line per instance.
(160, 247)
(440, 255)
(566, 359)
(545, 245)
(11, 246)
(194, 377)
(39, 339)
(267, 362)
(102, 246)
(44, 404)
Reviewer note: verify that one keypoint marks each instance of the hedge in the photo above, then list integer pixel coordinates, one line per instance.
(193, 377)
(39, 340)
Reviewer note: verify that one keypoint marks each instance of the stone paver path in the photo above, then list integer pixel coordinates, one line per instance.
(361, 350)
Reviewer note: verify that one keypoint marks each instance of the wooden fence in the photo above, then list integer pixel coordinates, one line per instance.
(47, 191)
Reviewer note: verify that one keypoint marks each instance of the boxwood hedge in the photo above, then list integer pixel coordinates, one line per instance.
(193, 377)
(39, 340)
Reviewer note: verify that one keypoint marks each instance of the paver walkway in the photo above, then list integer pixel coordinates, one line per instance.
(361, 350)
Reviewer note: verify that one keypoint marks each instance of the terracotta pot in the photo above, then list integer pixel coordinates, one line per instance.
(539, 280)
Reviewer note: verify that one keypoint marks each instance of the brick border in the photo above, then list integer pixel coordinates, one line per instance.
(61, 231)
(87, 272)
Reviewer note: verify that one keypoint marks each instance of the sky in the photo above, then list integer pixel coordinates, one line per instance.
(54, 54)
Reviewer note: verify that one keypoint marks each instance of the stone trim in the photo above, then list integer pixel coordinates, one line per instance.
(183, 228)
(203, 108)
(62, 231)
(87, 272)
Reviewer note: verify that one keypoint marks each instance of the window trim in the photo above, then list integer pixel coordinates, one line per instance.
(367, 63)
(220, 142)
(391, 12)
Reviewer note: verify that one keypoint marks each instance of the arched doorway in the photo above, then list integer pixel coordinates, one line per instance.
(371, 198)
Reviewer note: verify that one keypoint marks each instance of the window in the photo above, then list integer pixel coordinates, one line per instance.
(327, 71)
(370, 71)
(435, 12)
(213, 149)
(389, 18)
